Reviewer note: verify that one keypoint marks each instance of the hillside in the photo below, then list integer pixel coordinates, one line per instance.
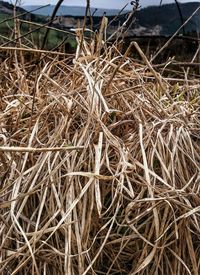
(6, 12)
(150, 21)
(7, 8)
(33, 34)
(164, 19)
(167, 17)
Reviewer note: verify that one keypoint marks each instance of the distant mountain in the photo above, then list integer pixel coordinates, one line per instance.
(165, 17)
(69, 10)
(168, 18)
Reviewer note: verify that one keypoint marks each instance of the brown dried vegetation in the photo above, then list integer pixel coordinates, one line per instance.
(100, 165)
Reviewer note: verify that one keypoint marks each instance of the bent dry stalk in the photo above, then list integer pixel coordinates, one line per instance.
(125, 198)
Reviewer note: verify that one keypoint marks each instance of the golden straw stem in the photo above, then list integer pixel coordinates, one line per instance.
(34, 150)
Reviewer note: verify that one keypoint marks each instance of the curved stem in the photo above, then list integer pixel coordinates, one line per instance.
(180, 14)
(57, 6)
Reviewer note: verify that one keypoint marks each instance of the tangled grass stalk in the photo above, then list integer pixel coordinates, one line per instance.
(126, 199)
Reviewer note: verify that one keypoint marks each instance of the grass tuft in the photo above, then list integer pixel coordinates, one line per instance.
(99, 164)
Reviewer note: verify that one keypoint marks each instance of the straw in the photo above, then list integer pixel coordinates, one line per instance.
(101, 174)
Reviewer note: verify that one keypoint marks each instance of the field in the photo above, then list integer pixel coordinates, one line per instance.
(99, 161)
(32, 32)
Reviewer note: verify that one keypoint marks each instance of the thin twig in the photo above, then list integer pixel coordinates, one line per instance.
(37, 150)
(33, 50)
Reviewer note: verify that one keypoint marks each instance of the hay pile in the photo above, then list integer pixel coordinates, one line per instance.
(100, 165)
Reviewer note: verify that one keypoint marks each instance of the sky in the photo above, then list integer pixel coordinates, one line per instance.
(114, 4)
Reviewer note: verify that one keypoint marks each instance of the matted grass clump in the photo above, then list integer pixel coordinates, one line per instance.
(100, 165)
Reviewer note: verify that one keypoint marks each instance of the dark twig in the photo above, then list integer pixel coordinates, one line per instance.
(50, 22)
(128, 23)
(180, 14)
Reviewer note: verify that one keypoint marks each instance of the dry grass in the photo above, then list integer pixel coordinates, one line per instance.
(100, 165)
